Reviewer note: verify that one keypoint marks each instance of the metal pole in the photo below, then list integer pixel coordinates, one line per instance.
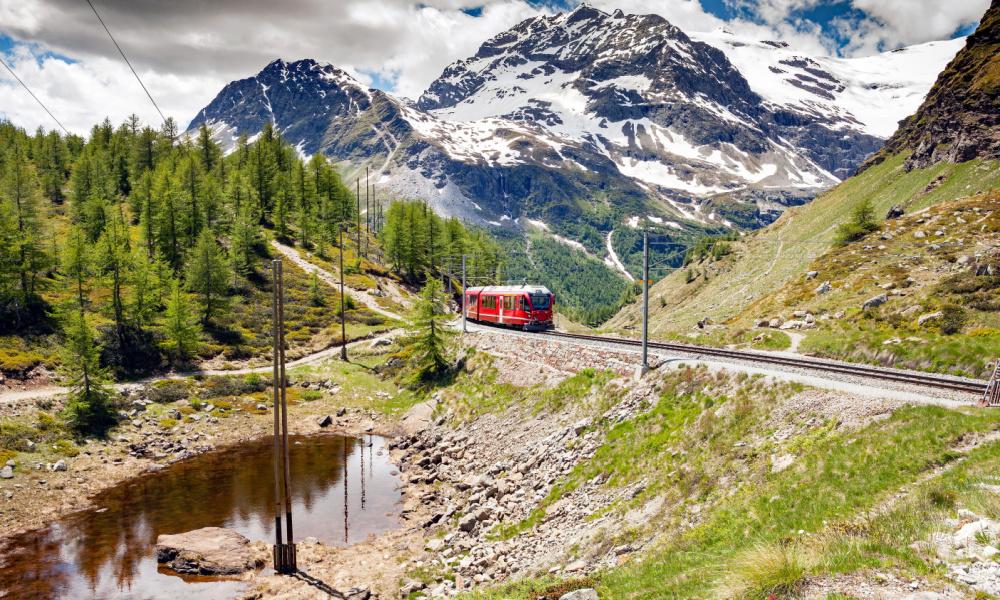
(343, 327)
(645, 301)
(284, 420)
(358, 219)
(464, 330)
(277, 408)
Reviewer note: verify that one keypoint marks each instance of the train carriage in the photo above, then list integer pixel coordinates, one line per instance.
(527, 307)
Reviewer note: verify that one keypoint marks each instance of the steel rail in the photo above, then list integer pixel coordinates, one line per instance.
(927, 380)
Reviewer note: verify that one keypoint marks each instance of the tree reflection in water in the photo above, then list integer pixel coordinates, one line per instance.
(109, 552)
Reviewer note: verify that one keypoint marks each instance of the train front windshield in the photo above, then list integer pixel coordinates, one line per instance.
(540, 301)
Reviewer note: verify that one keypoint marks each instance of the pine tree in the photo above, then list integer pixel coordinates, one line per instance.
(315, 291)
(144, 283)
(20, 193)
(243, 240)
(208, 275)
(428, 344)
(88, 406)
(114, 260)
(77, 264)
(180, 327)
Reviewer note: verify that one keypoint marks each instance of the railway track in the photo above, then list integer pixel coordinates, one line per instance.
(815, 364)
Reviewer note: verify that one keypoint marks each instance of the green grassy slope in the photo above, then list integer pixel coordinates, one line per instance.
(771, 257)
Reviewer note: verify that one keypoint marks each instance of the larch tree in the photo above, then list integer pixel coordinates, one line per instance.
(180, 326)
(88, 406)
(208, 274)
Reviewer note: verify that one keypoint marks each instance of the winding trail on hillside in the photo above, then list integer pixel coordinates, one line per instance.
(332, 280)
(332, 351)
(293, 255)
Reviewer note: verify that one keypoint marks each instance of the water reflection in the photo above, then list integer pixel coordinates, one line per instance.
(109, 552)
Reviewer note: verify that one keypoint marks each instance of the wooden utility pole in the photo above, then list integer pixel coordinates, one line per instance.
(464, 295)
(284, 552)
(357, 193)
(343, 326)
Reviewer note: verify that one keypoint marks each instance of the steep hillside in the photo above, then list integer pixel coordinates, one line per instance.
(762, 262)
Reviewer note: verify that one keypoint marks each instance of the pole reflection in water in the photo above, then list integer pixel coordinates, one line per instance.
(109, 551)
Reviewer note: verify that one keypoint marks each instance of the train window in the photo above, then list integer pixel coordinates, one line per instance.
(508, 302)
(540, 301)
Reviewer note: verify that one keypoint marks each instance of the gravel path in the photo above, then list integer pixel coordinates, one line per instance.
(330, 279)
(56, 390)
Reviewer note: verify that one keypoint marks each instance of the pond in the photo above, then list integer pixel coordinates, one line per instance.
(343, 490)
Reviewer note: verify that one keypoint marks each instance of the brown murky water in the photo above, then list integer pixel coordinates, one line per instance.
(342, 488)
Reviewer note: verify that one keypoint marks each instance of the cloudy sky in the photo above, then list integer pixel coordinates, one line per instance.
(186, 50)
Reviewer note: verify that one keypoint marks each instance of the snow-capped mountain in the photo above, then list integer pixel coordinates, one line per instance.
(588, 121)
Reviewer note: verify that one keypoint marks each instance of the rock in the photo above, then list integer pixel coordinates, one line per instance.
(341, 411)
(435, 545)
(581, 594)
(812, 275)
(418, 418)
(810, 319)
(468, 522)
(895, 212)
(207, 551)
(920, 235)
(875, 301)
(324, 421)
(763, 323)
(824, 287)
(775, 323)
(7, 472)
(929, 317)
(60, 465)
(780, 463)
(358, 593)
(581, 426)
(576, 565)
(261, 407)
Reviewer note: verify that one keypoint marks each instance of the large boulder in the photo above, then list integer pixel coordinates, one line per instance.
(209, 551)
(418, 418)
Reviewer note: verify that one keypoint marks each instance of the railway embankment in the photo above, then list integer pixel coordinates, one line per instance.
(550, 467)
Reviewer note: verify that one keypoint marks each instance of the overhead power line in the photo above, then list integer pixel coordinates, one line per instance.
(40, 103)
(125, 58)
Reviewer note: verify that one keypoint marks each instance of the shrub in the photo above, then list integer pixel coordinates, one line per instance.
(953, 319)
(942, 498)
(764, 570)
(861, 224)
(168, 390)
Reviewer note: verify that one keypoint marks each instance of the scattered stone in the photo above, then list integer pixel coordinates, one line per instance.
(208, 551)
(341, 411)
(929, 317)
(824, 287)
(59, 466)
(581, 594)
(875, 301)
(468, 522)
(7, 472)
(324, 421)
(812, 275)
(920, 235)
(895, 212)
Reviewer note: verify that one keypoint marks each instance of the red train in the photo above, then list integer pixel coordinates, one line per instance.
(527, 307)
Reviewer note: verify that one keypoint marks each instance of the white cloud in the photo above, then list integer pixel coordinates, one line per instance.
(894, 23)
(186, 50)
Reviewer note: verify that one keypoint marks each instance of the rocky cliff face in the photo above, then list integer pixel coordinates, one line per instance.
(960, 118)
